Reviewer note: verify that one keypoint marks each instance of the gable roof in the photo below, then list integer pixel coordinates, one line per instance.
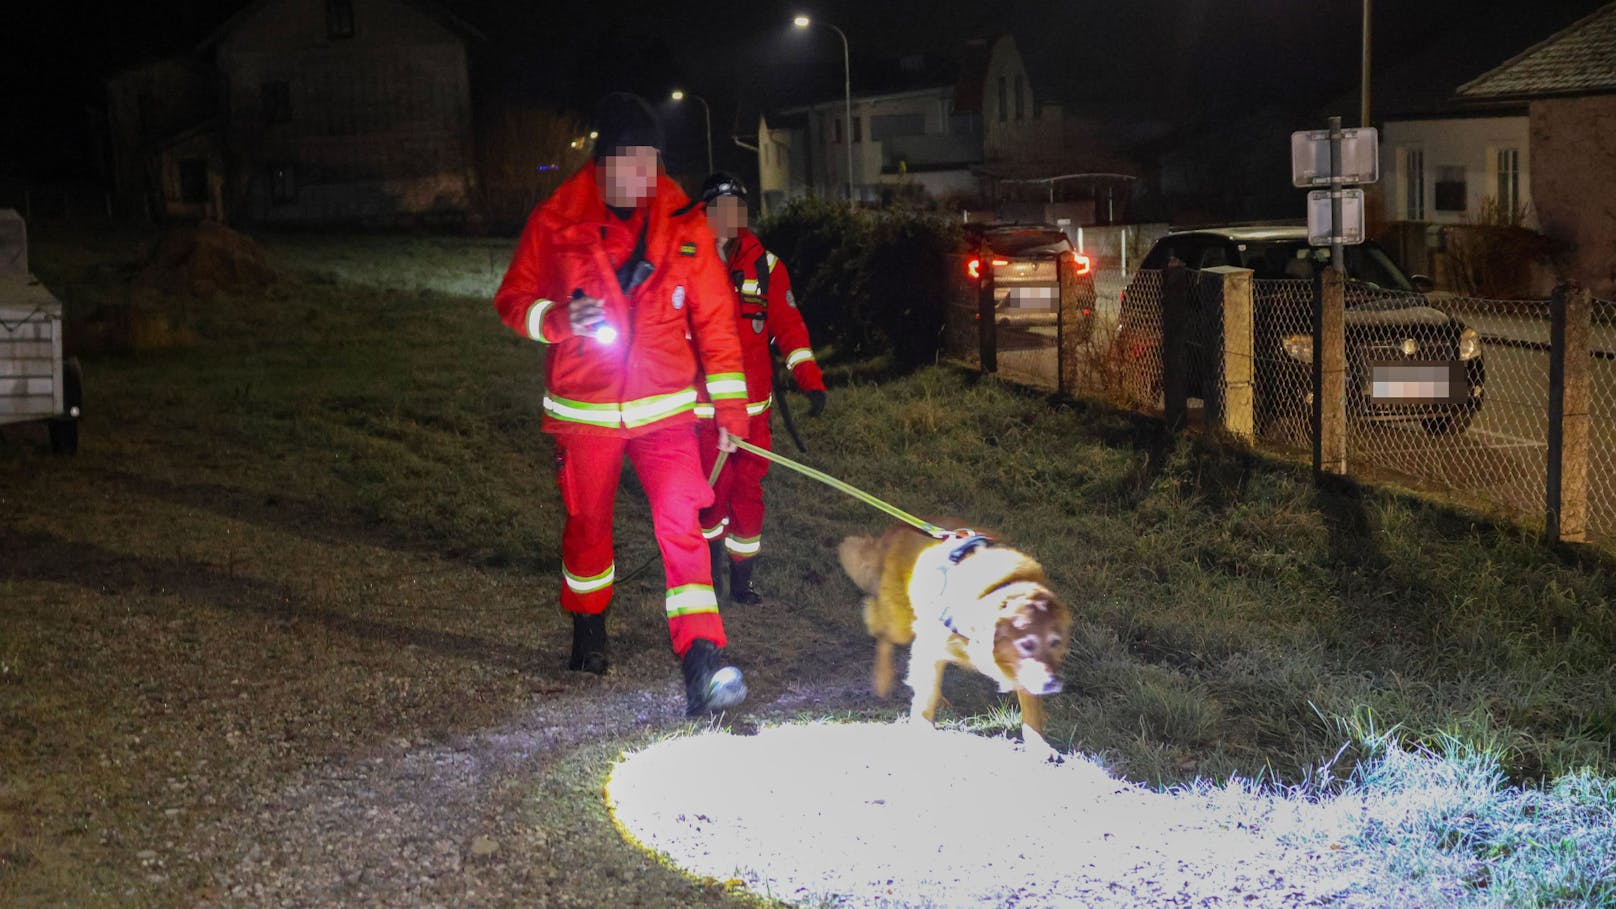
(1579, 59)
(435, 10)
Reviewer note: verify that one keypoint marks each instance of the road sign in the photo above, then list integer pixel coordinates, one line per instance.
(1318, 218)
(1310, 156)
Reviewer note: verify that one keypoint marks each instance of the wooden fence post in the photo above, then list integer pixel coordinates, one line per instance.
(1329, 374)
(1232, 366)
(1570, 316)
(987, 326)
(1068, 344)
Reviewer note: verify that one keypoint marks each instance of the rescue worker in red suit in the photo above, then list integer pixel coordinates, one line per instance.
(625, 292)
(767, 312)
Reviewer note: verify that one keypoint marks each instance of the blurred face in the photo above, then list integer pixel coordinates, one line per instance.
(629, 176)
(726, 215)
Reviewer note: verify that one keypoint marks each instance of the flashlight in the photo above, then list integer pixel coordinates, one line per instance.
(601, 330)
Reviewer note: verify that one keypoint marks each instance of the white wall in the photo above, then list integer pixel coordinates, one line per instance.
(1470, 144)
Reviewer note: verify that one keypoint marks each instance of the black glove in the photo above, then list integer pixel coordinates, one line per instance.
(816, 403)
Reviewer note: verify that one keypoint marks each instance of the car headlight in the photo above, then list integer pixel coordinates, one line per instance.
(1298, 347)
(1469, 344)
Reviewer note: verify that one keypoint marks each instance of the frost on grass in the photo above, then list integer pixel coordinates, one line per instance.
(893, 815)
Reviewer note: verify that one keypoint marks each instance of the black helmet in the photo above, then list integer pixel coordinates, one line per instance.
(722, 184)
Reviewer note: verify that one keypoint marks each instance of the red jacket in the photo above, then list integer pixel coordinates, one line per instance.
(646, 378)
(766, 311)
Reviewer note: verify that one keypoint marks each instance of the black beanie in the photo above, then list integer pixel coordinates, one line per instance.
(623, 119)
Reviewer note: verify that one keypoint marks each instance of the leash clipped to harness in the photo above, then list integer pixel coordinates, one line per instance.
(925, 527)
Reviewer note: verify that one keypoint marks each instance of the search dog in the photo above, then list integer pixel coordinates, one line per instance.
(966, 600)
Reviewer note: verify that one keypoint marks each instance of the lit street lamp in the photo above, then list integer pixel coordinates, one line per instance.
(847, 87)
(707, 117)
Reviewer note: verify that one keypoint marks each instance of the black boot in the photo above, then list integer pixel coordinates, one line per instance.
(741, 591)
(719, 559)
(588, 643)
(710, 684)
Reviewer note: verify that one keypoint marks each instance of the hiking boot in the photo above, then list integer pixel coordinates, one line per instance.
(741, 591)
(710, 685)
(719, 559)
(588, 643)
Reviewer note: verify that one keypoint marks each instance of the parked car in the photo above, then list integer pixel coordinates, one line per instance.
(1407, 358)
(1024, 263)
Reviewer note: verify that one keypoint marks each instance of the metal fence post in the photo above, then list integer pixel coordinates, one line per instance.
(1069, 346)
(1233, 370)
(1177, 285)
(1329, 374)
(1570, 316)
(987, 328)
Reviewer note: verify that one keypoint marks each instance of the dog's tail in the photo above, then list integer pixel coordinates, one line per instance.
(861, 559)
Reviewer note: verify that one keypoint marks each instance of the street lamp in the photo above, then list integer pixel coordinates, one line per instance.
(707, 117)
(847, 87)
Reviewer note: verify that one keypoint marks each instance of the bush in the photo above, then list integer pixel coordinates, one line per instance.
(868, 283)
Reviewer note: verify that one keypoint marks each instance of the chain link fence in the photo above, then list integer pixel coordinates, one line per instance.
(1602, 421)
(1444, 393)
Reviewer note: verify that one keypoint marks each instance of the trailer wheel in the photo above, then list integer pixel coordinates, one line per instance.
(64, 429)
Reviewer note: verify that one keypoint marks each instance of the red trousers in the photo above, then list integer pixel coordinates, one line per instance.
(588, 470)
(736, 514)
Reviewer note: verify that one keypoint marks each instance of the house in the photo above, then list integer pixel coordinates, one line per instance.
(346, 110)
(302, 112)
(905, 136)
(967, 127)
(1567, 83)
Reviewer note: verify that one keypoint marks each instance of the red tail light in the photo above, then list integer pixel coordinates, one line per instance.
(1081, 261)
(974, 268)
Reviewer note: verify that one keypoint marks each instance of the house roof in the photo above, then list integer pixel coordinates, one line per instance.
(1579, 59)
(436, 11)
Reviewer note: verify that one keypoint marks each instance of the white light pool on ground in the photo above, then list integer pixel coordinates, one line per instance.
(894, 815)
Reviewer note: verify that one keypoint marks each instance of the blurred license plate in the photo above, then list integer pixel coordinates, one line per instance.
(1416, 382)
(1030, 299)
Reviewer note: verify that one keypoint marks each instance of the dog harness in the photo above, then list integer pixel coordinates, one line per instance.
(970, 542)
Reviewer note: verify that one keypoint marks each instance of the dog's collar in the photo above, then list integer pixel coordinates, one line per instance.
(970, 542)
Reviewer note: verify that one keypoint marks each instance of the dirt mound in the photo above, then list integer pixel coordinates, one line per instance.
(205, 259)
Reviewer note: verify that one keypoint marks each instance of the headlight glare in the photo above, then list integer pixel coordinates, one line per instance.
(1469, 344)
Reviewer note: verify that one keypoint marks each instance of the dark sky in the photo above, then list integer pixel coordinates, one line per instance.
(1172, 59)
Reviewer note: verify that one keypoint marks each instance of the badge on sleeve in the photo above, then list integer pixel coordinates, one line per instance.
(791, 299)
(679, 297)
(687, 249)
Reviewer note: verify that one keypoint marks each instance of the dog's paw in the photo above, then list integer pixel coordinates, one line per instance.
(1038, 747)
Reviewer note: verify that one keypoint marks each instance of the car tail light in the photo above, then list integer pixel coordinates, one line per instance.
(973, 267)
(1081, 261)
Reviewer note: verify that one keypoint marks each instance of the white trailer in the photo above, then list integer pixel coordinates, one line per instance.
(35, 382)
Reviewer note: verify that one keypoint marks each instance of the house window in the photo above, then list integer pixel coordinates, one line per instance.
(282, 184)
(858, 129)
(837, 137)
(1411, 177)
(194, 181)
(1004, 101)
(1450, 188)
(1507, 162)
(277, 100)
(1021, 100)
(339, 19)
